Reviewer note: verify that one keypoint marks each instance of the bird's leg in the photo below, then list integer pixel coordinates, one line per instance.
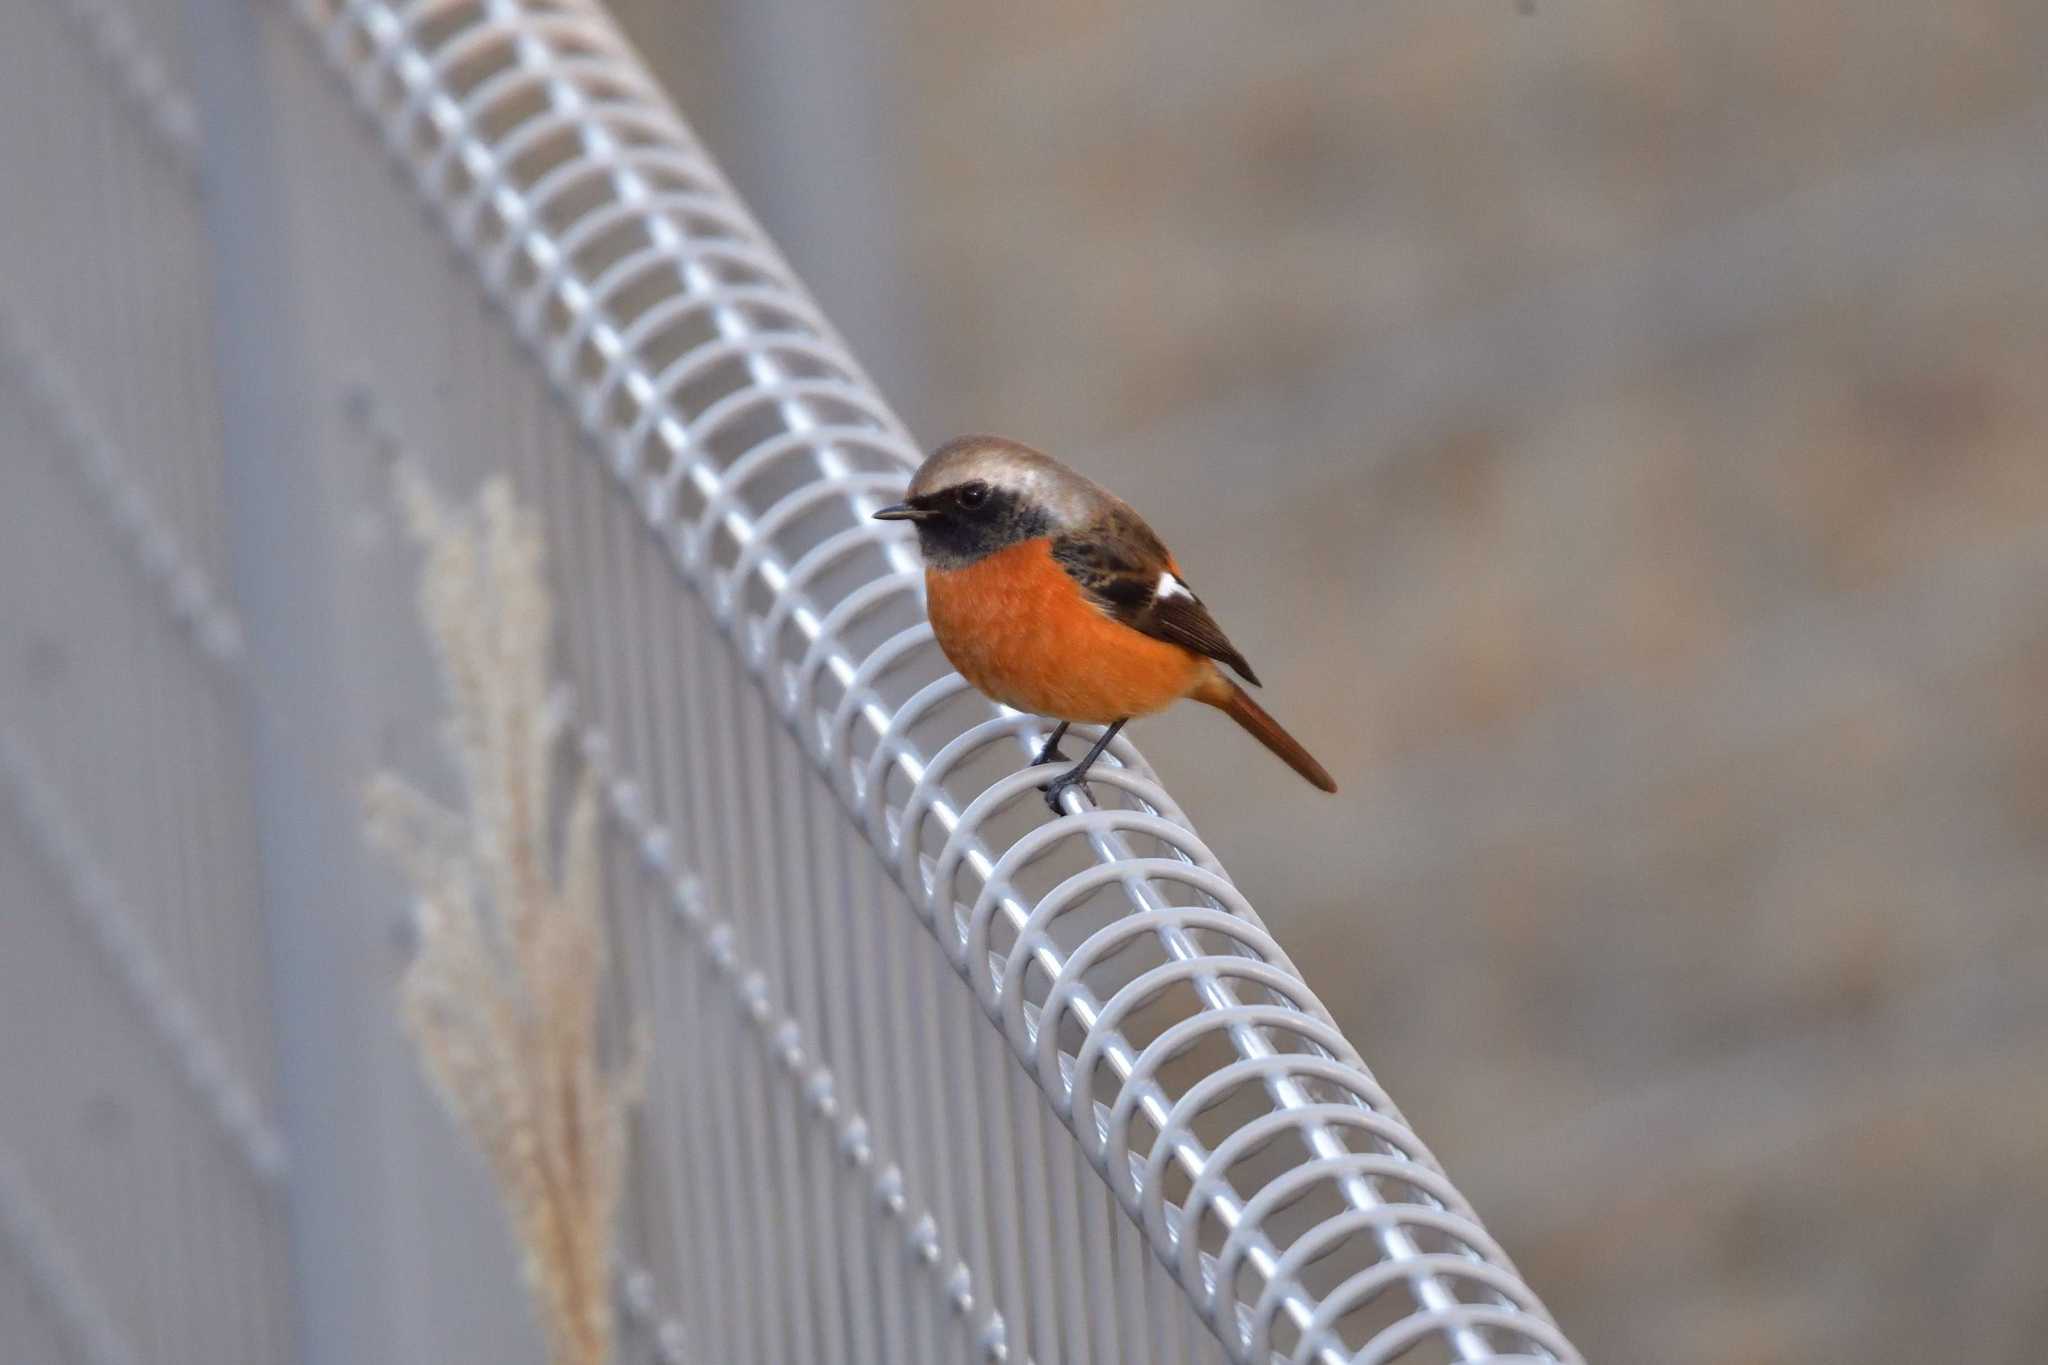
(1076, 775)
(1051, 752)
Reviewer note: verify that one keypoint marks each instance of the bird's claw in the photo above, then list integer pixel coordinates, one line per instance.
(1060, 786)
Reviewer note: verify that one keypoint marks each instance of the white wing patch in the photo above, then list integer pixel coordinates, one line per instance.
(1169, 586)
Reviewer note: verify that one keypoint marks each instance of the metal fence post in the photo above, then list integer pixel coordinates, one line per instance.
(375, 1171)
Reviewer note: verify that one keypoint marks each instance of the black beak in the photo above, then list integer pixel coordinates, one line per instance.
(902, 511)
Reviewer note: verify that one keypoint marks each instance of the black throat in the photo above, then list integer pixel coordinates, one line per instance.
(957, 536)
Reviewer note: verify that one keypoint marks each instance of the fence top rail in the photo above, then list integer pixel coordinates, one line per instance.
(755, 447)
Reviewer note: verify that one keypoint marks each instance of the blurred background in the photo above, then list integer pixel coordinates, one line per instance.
(1616, 432)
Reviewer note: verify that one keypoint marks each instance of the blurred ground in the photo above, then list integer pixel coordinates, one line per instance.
(1617, 434)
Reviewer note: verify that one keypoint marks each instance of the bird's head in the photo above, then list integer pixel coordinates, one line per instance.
(980, 494)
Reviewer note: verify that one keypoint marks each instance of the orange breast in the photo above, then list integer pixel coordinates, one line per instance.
(1018, 628)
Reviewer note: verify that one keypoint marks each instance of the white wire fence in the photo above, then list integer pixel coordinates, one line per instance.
(931, 1077)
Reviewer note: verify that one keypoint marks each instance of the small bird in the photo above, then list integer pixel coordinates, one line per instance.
(1052, 596)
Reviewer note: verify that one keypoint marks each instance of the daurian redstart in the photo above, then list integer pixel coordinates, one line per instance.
(1052, 596)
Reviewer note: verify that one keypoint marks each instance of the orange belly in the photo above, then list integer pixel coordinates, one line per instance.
(1018, 628)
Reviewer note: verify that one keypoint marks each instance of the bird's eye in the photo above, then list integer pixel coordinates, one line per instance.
(971, 495)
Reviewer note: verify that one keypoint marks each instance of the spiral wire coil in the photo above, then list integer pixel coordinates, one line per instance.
(1310, 1222)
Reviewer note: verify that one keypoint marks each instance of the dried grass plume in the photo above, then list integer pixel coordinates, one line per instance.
(501, 1000)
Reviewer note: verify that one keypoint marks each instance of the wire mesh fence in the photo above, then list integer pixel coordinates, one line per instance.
(931, 1077)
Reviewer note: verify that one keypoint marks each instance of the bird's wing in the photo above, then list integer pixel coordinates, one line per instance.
(1125, 570)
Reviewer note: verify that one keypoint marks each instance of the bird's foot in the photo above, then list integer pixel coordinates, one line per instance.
(1061, 785)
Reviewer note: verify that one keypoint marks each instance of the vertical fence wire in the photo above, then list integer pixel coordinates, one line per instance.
(143, 1167)
(1263, 1168)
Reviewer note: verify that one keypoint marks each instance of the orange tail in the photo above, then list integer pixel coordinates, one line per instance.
(1227, 697)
